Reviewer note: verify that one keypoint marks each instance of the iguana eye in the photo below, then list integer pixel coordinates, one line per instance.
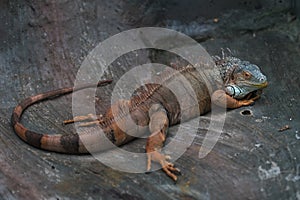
(247, 75)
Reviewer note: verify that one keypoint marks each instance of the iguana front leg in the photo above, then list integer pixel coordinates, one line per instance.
(220, 98)
(158, 126)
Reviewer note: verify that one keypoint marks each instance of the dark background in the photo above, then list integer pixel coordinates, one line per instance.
(42, 44)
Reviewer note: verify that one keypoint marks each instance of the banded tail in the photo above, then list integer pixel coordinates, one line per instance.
(62, 143)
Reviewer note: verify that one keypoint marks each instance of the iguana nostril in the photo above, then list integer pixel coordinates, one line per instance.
(263, 79)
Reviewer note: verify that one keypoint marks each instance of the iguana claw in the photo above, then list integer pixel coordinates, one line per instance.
(167, 167)
(249, 100)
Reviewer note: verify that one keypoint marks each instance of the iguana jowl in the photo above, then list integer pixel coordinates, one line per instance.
(154, 106)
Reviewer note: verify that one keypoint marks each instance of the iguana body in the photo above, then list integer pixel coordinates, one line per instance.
(154, 108)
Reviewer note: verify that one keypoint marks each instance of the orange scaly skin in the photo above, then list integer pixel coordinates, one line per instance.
(155, 106)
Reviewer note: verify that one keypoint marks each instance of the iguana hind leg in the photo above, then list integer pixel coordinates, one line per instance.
(90, 117)
(158, 126)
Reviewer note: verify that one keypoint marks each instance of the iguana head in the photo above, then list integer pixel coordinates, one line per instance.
(240, 77)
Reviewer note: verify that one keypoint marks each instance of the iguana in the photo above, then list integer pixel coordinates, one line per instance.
(154, 106)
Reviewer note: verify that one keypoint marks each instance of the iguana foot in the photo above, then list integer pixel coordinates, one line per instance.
(80, 118)
(93, 118)
(89, 123)
(167, 167)
(220, 98)
(254, 95)
(247, 102)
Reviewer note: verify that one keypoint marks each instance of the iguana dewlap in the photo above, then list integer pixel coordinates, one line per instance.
(155, 106)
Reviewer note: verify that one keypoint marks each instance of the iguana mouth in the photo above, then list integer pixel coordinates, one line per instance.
(254, 84)
(259, 85)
